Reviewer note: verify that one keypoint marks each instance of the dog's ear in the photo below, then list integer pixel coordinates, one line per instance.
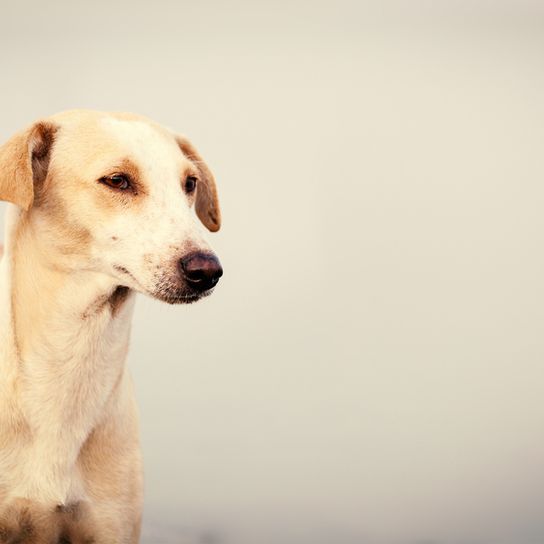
(24, 162)
(207, 202)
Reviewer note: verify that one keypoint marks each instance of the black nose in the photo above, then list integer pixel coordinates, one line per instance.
(201, 270)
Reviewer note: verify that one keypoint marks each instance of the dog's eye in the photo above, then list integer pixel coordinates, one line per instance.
(117, 181)
(190, 184)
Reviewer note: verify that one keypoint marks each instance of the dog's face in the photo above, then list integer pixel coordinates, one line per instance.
(116, 194)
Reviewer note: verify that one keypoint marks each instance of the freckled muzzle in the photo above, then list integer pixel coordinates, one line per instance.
(201, 271)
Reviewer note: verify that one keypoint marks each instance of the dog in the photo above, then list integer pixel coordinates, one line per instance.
(101, 206)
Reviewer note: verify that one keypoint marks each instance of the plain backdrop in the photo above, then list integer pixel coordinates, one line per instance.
(370, 369)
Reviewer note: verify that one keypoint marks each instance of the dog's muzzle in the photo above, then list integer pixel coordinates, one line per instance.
(201, 271)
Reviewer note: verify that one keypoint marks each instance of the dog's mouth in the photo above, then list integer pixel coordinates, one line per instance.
(125, 272)
(166, 290)
(176, 291)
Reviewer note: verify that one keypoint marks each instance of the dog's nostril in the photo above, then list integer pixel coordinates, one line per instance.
(201, 270)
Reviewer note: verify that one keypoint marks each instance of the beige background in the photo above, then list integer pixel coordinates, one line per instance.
(370, 370)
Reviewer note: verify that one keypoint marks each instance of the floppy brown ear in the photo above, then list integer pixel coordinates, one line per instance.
(207, 202)
(24, 162)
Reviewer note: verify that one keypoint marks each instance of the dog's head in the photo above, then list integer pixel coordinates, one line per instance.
(115, 193)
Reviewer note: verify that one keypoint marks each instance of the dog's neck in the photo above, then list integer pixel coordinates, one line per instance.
(69, 332)
(60, 312)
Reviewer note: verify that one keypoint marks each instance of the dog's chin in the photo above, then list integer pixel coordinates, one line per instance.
(179, 296)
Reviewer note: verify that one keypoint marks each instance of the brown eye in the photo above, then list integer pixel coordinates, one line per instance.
(117, 181)
(190, 184)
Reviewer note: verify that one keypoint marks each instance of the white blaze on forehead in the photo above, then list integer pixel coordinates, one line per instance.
(154, 151)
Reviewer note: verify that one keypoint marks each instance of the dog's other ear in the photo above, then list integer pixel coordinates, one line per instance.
(24, 162)
(207, 202)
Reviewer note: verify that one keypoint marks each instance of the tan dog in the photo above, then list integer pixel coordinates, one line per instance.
(102, 208)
